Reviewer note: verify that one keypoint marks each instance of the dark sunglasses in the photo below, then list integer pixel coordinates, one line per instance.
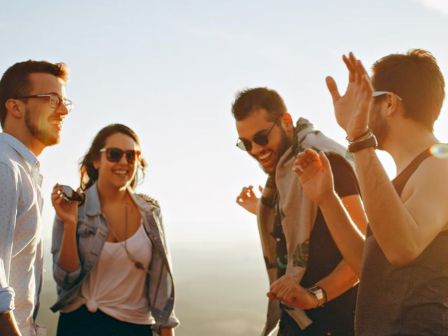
(115, 154)
(72, 195)
(261, 138)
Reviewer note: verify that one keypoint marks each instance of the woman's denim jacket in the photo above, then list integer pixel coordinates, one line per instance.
(92, 232)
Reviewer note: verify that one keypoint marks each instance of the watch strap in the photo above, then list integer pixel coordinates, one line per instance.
(368, 142)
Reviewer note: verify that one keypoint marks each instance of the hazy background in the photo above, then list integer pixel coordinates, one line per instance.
(170, 70)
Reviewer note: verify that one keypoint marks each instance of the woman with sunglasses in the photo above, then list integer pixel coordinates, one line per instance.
(110, 260)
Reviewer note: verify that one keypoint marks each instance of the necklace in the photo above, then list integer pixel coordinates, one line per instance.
(138, 264)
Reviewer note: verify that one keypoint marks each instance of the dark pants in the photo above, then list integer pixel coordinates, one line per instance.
(289, 327)
(83, 323)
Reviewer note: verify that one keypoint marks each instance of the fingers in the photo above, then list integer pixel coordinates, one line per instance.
(350, 67)
(332, 88)
(245, 194)
(284, 289)
(306, 159)
(56, 193)
(325, 162)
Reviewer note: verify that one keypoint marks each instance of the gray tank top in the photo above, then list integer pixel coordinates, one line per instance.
(408, 300)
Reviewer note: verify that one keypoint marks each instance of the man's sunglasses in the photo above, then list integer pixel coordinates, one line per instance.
(115, 154)
(261, 138)
(383, 93)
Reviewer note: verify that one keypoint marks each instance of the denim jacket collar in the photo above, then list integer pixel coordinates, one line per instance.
(93, 204)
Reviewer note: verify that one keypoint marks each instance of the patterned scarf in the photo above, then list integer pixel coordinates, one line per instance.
(297, 214)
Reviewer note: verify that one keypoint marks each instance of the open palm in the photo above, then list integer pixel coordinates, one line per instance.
(352, 109)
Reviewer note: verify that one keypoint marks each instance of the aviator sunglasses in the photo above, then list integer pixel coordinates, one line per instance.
(115, 154)
(261, 138)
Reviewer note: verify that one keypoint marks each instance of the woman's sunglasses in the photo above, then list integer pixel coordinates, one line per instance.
(261, 138)
(115, 154)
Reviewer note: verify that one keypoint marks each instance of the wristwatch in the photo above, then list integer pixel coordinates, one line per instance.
(320, 294)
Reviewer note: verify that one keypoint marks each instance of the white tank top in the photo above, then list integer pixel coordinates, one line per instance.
(115, 285)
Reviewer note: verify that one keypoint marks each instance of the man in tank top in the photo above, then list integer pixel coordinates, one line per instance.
(403, 260)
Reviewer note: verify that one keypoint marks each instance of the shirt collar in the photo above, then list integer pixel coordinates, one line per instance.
(21, 149)
(93, 205)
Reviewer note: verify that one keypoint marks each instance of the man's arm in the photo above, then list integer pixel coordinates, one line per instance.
(8, 325)
(316, 177)
(8, 211)
(343, 277)
(402, 227)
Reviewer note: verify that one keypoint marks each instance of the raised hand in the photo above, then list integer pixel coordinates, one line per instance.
(288, 291)
(352, 109)
(67, 211)
(248, 200)
(315, 175)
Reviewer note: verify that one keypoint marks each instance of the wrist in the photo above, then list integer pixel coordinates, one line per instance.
(357, 134)
(327, 198)
(366, 140)
(320, 294)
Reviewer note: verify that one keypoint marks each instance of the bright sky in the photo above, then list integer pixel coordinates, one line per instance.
(170, 70)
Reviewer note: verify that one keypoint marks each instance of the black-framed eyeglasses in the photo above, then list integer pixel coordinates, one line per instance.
(115, 154)
(53, 98)
(261, 138)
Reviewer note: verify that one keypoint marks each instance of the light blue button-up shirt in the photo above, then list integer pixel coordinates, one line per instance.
(21, 258)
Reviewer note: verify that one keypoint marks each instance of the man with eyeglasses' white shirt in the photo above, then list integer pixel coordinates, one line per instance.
(33, 107)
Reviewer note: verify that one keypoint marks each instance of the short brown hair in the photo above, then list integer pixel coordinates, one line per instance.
(417, 79)
(249, 100)
(15, 81)
(89, 174)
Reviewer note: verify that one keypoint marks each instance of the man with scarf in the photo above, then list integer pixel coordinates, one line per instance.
(302, 260)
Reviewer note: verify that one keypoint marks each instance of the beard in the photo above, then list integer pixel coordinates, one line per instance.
(41, 131)
(378, 126)
(284, 144)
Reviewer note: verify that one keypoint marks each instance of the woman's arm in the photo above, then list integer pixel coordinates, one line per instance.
(66, 263)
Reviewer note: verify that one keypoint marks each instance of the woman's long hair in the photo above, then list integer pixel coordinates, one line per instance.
(89, 174)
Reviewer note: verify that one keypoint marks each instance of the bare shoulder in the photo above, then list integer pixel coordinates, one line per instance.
(432, 173)
(432, 170)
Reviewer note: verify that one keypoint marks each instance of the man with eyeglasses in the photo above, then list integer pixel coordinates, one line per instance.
(403, 260)
(302, 260)
(33, 107)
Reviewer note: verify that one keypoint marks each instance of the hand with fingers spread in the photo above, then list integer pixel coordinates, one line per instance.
(248, 200)
(315, 174)
(289, 292)
(352, 109)
(66, 210)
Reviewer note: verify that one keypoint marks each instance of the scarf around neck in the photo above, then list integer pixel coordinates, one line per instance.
(297, 213)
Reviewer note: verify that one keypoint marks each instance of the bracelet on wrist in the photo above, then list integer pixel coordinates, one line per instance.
(367, 142)
(363, 136)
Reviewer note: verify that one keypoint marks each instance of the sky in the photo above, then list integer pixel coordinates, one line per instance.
(170, 70)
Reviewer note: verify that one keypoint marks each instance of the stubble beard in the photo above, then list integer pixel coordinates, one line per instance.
(379, 127)
(39, 133)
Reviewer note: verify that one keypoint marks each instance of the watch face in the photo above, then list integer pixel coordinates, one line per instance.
(320, 295)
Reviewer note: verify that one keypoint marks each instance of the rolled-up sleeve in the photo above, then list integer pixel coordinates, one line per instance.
(8, 213)
(63, 278)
